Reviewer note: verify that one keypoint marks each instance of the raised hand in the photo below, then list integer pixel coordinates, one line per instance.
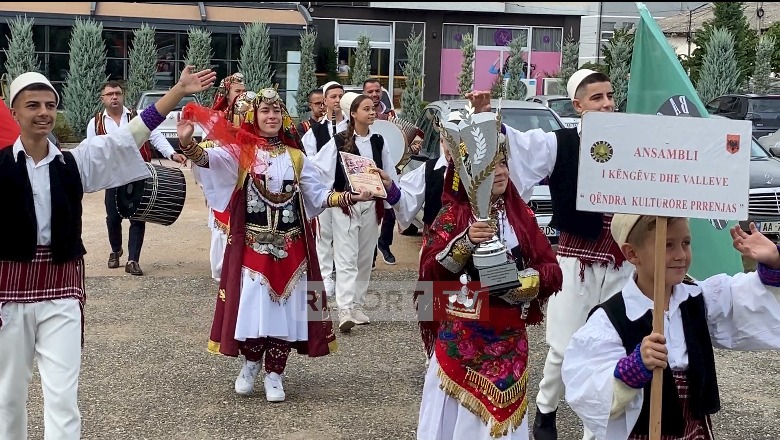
(185, 129)
(479, 100)
(198, 81)
(756, 246)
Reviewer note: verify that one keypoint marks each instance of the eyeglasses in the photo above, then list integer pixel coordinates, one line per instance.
(317, 104)
(112, 94)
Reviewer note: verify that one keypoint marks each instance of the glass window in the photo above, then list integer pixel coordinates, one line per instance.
(219, 46)
(115, 44)
(235, 47)
(58, 67)
(452, 35)
(221, 67)
(39, 38)
(115, 69)
(280, 45)
(376, 32)
(563, 107)
(166, 45)
(547, 39)
(59, 39)
(496, 36)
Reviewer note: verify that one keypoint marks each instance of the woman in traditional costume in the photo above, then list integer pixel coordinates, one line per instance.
(476, 383)
(219, 221)
(264, 307)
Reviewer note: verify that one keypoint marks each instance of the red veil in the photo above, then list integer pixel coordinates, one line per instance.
(455, 216)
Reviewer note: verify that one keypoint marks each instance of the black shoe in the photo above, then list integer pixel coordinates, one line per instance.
(133, 268)
(544, 426)
(388, 256)
(113, 259)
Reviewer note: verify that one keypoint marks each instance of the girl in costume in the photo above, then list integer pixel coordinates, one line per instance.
(263, 306)
(475, 387)
(356, 228)
(219, 221)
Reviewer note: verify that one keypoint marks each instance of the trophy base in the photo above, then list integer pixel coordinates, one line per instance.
(499, 278)
(490, 253)
(496, 273)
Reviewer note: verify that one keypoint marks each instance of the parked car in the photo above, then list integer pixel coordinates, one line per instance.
(168, 127)
(561, 105)
(521, 115)
(762, 110)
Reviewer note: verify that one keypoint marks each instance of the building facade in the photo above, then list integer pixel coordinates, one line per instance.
(493, 25)
(53, 22)
(599, 27)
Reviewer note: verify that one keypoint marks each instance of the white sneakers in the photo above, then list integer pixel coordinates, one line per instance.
(346, 322)
(245, 382)
(274, 392)
(359, 317)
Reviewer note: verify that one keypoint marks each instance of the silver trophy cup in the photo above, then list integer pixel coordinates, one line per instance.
(474, 146)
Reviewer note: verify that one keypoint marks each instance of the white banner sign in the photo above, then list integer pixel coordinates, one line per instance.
(664, 165)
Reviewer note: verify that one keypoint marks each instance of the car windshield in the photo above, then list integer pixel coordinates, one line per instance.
(525, 119)
(765, 105)
(563, 107)
(148, 100)
(756, 151)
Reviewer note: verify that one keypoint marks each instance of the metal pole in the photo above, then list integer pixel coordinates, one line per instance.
(598, 36)
(690, 19)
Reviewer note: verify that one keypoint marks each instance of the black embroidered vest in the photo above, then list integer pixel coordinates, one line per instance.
(563, 190)
(19, 219)
(702, 381)
(322, 134)
(434, 185)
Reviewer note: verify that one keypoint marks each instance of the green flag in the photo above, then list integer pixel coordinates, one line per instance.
(659, 85)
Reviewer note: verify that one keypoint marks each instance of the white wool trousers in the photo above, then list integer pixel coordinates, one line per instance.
(50, 333)
(354, 240)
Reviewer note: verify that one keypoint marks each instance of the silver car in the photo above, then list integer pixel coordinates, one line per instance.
(168, 127)
(520, 115)
(561, 105)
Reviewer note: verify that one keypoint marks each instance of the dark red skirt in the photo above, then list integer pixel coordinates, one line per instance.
(695, 429)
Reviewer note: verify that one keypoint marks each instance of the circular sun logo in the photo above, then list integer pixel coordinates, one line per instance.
(601, 152)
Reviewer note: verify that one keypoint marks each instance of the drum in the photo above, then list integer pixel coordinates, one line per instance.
(157, 199)
(394, 139)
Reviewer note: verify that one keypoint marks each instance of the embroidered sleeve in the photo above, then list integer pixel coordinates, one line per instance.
(457, 252)
(196, 153)
(768, 277)
(631, 370)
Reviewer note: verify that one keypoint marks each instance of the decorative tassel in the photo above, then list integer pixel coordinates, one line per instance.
(501, 399)
(476, 407)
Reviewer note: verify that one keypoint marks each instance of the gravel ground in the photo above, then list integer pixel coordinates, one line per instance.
(146, 374)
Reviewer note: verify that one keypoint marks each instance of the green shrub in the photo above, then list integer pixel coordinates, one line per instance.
(63, 131)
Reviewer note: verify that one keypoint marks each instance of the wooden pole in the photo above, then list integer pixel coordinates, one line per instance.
(659, 281)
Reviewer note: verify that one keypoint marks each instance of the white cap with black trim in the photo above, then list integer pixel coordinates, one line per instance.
(576, 79)
(331, 85)
(27, 79)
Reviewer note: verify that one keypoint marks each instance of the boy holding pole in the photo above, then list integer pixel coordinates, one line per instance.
(612, 360)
